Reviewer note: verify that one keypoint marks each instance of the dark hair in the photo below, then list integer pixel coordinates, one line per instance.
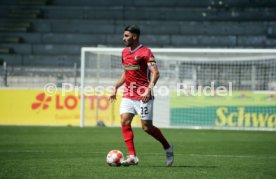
(133, 29)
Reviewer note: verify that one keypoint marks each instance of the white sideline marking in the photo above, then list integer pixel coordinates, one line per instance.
(234, 156)
(192, 155)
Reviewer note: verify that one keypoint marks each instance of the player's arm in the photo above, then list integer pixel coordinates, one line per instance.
(120, 81)
(118, 84)
(154, 77)
(153, 80)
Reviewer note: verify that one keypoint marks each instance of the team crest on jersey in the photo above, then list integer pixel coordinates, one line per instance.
(136, 57)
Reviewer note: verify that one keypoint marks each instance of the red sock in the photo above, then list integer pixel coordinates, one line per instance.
(128, 138)
(157, 134)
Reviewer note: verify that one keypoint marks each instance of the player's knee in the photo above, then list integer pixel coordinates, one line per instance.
(125, 122)
(126, 119)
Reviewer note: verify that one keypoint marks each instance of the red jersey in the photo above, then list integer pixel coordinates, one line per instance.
(137, 74)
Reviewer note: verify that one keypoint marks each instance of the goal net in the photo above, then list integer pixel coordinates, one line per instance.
(197, 88)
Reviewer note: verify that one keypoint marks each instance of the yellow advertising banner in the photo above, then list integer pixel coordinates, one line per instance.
(35, 107)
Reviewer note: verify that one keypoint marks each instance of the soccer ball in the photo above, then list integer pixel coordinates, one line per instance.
(114, 158)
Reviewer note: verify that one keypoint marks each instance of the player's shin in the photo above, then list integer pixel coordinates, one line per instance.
(157, 134)
(128, 138)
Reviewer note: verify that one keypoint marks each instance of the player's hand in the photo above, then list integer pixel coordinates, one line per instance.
(146, 96)
(112, 97)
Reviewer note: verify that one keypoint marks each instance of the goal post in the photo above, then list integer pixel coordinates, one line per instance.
(197, 88)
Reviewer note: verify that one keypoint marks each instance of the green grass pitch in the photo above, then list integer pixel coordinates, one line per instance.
(71, 152)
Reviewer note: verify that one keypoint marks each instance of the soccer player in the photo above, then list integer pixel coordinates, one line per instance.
(140, 74)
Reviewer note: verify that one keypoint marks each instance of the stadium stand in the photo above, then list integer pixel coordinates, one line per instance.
(52, 32)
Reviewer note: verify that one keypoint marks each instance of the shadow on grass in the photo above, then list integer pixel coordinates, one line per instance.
(185, 166)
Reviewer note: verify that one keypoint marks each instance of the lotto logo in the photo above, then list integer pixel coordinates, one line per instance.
(69, 102)
(41, 102)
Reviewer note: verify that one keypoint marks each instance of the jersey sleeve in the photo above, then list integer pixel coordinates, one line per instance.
(150, 59)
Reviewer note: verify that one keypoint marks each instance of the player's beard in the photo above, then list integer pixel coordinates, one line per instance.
(128, 43)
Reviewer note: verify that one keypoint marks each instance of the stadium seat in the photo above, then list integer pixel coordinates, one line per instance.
(4, 50)
(44, 29)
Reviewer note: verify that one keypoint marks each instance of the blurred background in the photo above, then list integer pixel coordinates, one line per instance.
(35, 34)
